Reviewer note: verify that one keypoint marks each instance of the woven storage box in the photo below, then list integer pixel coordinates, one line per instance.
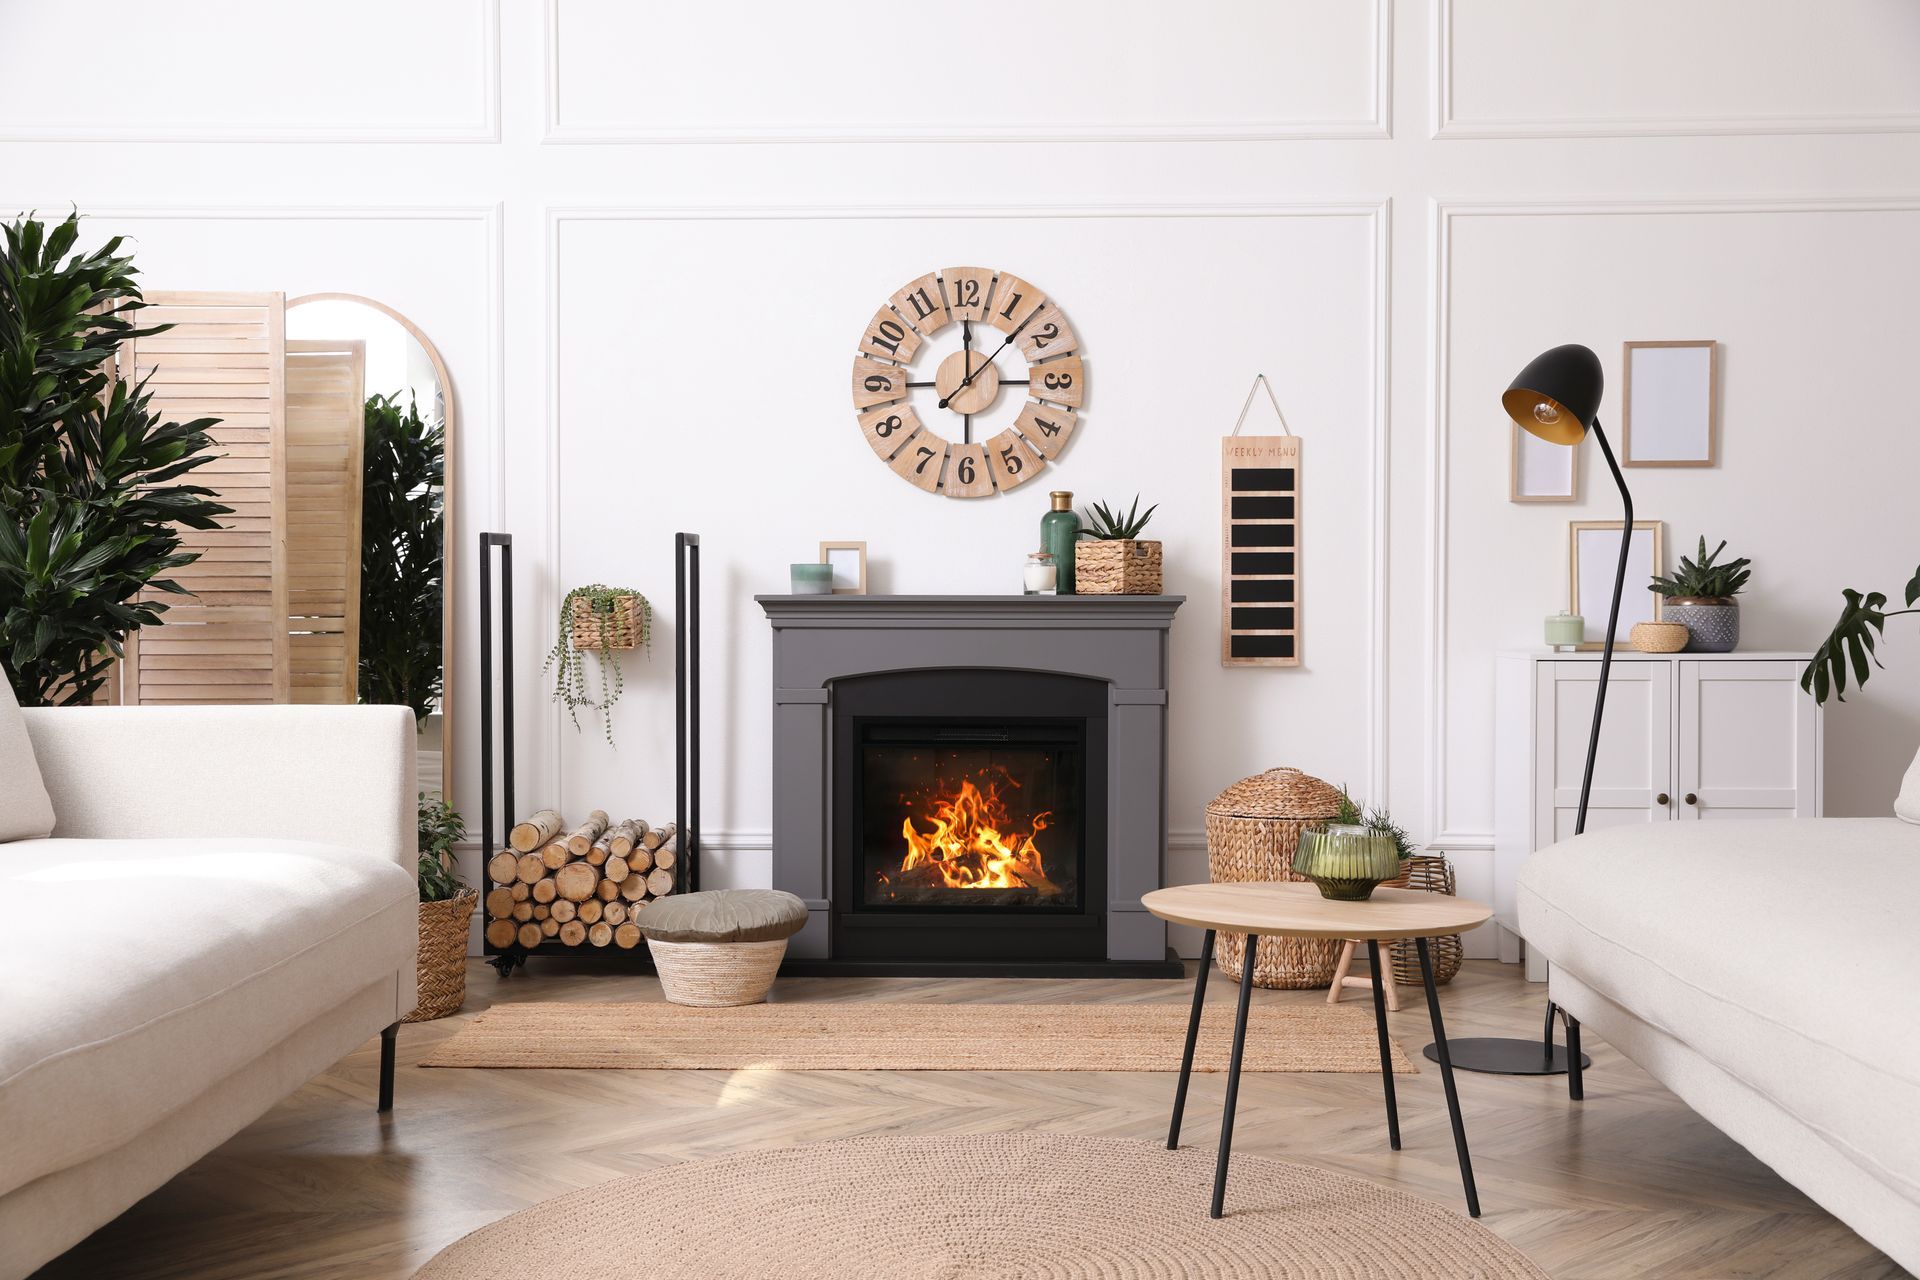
(624, 628)
(1253, 829)
(715, 975)
(1658, 637)
(1117, 568)
(442, 959)
(1435, 875)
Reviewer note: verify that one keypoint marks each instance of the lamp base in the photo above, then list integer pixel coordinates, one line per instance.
(1507, 1056)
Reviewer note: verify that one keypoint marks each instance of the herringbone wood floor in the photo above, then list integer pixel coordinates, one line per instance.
(1628, 1184)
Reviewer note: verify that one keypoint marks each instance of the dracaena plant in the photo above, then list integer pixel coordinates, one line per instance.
(1705, 580)
(91, 499)
(1103, 525)
(1851, 642)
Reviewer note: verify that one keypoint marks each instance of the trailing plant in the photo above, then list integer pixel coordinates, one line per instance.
(440, 829)
(569, 664)
(402, 556)
(1705, 580)
(91, 504)
(1851, 642)
(1379, 821)
(1103, 525)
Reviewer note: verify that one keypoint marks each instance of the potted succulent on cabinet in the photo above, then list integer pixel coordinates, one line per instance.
(1113, 560)
(1700, 596)
(446, 905)
(605, 621)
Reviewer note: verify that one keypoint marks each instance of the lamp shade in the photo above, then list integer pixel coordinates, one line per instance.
(1557, 395)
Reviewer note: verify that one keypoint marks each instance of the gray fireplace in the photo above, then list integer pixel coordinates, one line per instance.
(971, 784)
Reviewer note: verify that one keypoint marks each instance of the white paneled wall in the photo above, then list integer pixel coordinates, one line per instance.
(646, 238)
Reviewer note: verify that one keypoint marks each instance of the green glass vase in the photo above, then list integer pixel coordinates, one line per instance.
(1059, 533)
(1346, 863)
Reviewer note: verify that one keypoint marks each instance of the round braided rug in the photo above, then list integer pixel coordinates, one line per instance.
(1041, 1205)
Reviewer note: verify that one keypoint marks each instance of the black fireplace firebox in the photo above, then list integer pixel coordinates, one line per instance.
(969, 816)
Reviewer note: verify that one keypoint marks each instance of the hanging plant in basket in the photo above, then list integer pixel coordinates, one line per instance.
(601, 620)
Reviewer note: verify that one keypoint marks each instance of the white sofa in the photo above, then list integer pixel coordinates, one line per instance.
(1763, 971)
(226, 906)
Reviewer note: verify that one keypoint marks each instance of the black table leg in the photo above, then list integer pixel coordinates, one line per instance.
(1233, 1074)
(386, 1066)
(1446, 1079)
(1193, 1038)
(1576, 1087)
(1386, 1046)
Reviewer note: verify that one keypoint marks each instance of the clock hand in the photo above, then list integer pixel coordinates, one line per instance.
(965, 382)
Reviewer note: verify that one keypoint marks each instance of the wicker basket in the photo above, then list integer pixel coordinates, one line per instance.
(1119, 567)
(1658, 637)
(1253, 829)
(624, 628)
(442, 960)
(714, 975)
(1435, 875)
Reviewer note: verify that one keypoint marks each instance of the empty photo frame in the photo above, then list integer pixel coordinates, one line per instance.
(1669, 417)
(1542, 472)
(1593, 554)
(848, 560)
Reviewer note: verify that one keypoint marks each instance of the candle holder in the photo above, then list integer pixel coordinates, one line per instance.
(1346, 862)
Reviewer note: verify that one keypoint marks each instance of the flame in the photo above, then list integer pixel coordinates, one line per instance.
(972, 844)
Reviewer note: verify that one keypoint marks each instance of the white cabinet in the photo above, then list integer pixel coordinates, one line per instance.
(1687, 738)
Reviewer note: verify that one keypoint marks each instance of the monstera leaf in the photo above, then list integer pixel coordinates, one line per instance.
(1851, 642)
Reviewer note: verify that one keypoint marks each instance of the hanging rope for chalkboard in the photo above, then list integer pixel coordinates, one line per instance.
(1259, 381)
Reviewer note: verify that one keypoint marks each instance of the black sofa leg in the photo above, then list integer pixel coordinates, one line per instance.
(1576, 1086)
(388, 1037)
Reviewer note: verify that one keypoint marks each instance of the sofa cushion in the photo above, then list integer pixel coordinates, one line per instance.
(25, 811)
(1782, 951)
(138, 971)
(1907, 806)
(724, 915)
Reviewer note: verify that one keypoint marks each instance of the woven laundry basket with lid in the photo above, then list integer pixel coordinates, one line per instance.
(1253, 830)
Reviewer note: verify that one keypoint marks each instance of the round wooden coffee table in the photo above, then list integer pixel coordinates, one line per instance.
(1298, 911)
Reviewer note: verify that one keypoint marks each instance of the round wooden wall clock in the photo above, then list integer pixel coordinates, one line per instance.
(992, 310)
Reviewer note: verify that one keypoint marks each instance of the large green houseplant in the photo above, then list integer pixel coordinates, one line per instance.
(402, 556)
(91, 499)
(1851, 642)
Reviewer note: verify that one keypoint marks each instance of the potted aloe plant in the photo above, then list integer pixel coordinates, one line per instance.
(1114, 561)
(1700, 596)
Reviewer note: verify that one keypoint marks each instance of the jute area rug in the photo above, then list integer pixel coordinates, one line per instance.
(980, 1205)
(877, 1036)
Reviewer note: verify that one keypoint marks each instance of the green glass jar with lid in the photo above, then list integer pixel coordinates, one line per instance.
(1059, 533)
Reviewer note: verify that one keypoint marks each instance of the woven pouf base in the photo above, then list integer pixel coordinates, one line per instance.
(976, 1205)
(713, 975)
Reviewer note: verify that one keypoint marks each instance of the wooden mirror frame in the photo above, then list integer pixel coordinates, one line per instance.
(449, 538)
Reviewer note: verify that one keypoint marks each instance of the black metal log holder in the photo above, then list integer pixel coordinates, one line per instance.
(686, 708)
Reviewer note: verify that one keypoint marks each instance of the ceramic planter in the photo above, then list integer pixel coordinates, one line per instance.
(1713, 625)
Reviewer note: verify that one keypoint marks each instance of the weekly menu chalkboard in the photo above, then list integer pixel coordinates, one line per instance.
(1260, 551)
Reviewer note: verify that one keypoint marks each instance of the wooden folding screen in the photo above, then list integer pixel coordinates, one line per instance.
(226, 642)
(326, 442)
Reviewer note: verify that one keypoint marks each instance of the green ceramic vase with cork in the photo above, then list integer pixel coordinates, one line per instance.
(1059, 532)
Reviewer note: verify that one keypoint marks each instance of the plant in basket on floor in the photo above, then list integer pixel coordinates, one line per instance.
(602, 620)
(446, 904)
(1113, 560)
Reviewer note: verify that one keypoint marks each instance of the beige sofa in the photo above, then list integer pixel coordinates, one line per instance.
(226, 906)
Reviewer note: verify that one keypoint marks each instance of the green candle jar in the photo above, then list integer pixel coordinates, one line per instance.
(1347, 863)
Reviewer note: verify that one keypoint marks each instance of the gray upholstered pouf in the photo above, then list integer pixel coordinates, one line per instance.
(721, 947)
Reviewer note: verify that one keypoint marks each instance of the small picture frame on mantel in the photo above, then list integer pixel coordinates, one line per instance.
(848, 560)
(1668, 415)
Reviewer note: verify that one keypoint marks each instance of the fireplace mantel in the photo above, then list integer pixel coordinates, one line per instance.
(1121, 641)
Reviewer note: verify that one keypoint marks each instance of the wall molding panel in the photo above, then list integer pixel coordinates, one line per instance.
(1375, 125)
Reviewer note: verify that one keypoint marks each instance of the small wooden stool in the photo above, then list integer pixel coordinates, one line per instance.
(1341, 980)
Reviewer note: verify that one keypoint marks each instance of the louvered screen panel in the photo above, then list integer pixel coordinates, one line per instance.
(226, 642)
(326, 437)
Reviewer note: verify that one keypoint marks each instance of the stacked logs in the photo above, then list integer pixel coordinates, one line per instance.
(588, 884)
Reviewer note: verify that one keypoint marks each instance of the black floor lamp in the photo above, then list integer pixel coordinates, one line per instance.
(1557, 398)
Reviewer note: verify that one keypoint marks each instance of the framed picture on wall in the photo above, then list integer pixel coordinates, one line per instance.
(1668, 417)
(1593, 554)
(1541, 472)
(849, 563)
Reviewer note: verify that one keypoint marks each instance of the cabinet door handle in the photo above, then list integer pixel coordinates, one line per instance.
(1665, 799)
(1692, 798)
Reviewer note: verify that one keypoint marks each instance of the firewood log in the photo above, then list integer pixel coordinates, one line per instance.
(556, 855)
(591, 910)
(640, 861)
(549, 927)
(614, 868)
(564, 911)
(665, 856)
(614, 912)
(606, 891)
(660, 882)
(597, 856)
(573, 933)
(624, 835)
(530, 935)
(535, 831)
(672, 843)
(502, 867)
(576, 881)
(633, 888)
(587, 832)
(541, 911)
(530, 868)
(522, 911)
(519, 890)
(501, 933)
(499, 903)
(600, 934)
(544, 890)
(659, 836)
(627, 937)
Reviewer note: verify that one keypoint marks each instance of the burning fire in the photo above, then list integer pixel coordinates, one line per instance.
(972, 845)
